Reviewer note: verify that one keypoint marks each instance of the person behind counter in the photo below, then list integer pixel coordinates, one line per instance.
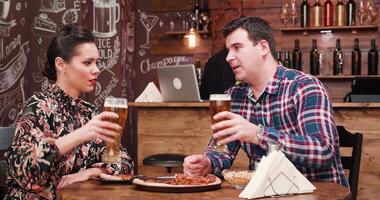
(272, 105)
(60, 138)
(217, 75)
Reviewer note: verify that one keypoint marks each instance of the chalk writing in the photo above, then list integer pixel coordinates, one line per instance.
(146, 66)
(107, 91)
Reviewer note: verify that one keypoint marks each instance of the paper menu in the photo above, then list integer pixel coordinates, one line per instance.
(150, 94)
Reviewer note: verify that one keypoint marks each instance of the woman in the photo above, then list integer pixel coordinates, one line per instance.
(59, 137)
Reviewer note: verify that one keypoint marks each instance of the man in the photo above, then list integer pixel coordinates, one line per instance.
(272, 105)
(217, 76)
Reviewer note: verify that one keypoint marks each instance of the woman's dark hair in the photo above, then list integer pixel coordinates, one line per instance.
(257, 28)
(63, 45)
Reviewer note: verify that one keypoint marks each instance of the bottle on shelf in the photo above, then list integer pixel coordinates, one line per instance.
(340, 13)
(297, 56)
(316, 14)
(373, 59)
(278, 57)
(314, 59)
(196, 15)
(328, 16)
(198, 71)
(350, 13)
(356, 58)
(338, 59)
(305, 14)
(204, 16)
(287, 62)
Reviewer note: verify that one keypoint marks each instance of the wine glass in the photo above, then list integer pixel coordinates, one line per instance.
(205, 21)
(171, 17)
(371, 12)
(293, 12)
(284, 13)
(362, 12)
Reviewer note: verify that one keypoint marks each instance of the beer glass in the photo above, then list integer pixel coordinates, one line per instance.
(119, 106)
(218, 103)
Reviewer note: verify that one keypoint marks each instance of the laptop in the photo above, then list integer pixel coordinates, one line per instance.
(178, 83)
(364, 89)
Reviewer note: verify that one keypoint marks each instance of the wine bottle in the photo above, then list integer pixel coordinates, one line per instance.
(338, 59)
(287, 62)
(196, 13)
(373, 58)
(198, 71)
(305, 14)
(350, 13)
(328, 9)
(316, 14)
(278, 57)
(314, 59)
(356, 58)
(340, 13)
(297, 56)
(205, 16)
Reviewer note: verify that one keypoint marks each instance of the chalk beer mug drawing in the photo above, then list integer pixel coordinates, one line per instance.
(120, 106)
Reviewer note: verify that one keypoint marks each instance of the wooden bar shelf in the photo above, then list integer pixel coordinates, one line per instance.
(175, 33)
(327, 29)
(346, 76)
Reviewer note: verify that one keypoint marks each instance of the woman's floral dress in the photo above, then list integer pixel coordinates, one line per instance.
(35, 165)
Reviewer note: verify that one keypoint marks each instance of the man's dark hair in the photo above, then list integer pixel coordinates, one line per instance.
(257, 28)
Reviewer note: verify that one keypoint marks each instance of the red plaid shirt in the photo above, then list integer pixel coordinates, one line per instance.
(296, 113)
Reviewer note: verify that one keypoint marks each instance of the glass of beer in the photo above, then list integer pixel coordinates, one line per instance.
(119, 106)
(218, 103)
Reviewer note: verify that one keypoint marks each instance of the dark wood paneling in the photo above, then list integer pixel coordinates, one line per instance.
(170, 5)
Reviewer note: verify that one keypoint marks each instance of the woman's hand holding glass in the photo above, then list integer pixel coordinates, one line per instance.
(99, 128)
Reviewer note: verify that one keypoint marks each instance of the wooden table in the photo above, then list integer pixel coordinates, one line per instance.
(96, 190)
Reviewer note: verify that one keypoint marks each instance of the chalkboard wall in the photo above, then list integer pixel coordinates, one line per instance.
(26, 28)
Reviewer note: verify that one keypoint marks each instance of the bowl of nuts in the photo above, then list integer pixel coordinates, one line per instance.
(237, 178)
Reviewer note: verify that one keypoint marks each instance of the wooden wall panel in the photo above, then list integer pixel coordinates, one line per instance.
(163, 44)
(337, 89)
(359, 120)
(369, 185)
(182, 135)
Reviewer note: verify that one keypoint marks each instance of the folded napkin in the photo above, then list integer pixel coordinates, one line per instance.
(276, 175)
(150, 94)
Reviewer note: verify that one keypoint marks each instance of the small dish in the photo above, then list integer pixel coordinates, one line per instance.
(237, 179)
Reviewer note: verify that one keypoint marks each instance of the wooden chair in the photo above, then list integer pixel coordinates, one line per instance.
(6, 137)
(352, 163)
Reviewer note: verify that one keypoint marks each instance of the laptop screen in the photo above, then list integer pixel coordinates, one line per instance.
(366, 85)
(178, 83)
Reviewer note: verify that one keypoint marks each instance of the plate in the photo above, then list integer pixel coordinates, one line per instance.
(141, 184)
(110, 179)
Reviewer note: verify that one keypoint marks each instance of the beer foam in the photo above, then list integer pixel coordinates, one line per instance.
(220, 97)
(116, 102)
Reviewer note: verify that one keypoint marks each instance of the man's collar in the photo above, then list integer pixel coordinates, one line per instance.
(274, 83)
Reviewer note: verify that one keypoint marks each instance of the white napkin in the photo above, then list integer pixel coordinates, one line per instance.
(276, 175)
(150, 94)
